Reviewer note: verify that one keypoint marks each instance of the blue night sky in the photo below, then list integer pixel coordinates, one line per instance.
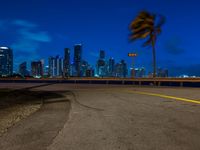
(37, 29)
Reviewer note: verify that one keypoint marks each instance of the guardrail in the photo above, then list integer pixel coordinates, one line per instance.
(175, 82)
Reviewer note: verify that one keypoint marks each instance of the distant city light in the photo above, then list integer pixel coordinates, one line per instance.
(4, 48)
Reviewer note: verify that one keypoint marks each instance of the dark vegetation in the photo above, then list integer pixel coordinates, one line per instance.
(10, 98)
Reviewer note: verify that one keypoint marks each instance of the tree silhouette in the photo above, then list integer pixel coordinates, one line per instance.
(147, 26)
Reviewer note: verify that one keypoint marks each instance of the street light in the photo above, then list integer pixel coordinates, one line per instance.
(133, 55)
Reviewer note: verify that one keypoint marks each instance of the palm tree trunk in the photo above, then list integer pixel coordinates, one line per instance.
(154, 57)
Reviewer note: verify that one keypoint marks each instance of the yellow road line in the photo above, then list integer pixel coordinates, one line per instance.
(166, 96)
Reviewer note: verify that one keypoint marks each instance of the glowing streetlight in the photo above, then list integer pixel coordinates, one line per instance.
(133, 55)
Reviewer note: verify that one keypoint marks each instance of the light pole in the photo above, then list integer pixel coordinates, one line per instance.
(133, 55)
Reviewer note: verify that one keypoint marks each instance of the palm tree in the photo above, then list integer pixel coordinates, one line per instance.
(147, 26)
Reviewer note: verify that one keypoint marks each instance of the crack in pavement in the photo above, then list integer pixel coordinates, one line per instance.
(81, 104)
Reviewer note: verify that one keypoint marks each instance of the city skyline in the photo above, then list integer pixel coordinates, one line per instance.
(101, 25)
(77, 66)
(63, 66)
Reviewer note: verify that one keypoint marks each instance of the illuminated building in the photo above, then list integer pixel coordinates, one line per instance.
(23, 69)
(121, 69)
(66, 62)
(84, 67)
(90, 72)
(37, 69)
(111, 67)
(55, 66)
(101, 65)
(77, 59)
(138, 72)
(6, 61)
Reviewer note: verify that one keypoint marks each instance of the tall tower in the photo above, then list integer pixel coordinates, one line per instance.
(55, 66)
(111, 67)
(23, 69)
(66, 62)
(101, 64)
(78, 59)
(6, 61)
(124, 68)
(121, 69)
(36, 69)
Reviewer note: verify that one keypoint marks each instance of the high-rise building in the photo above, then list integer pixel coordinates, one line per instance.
(72, 69)
(111, 67)
(138, 72)
(78, 59)
(84, 67)
(141, 73)
(6, 61)
(66, 62)
(23, 69)
(37, 69)
(121, 69)
(55, 66)
(124, 68)
(101, 65)
(46, 71)
(90, 72)
(133, 72)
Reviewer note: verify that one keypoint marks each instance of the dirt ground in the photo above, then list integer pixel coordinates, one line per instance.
(16, 105)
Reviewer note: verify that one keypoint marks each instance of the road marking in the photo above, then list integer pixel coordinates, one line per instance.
(167, 96)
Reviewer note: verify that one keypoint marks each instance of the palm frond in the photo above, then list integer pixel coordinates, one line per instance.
(143, 27)
(143, 18)
(161, 21)
(158, 31)
(148, 42)
(140, 35)
(144, 14)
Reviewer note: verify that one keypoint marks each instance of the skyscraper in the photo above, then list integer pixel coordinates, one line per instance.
(6, 61)
(138, 72)
(37, 69)
(55, 66)
(101, 65)
(78, 59)
(90, 72)
(121, 69)
(66, 62)
(111, 67)
(23, 69)
(84, 67)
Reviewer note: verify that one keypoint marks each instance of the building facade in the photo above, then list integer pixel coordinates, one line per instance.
(121, 69)
(6, 61)
(90, 72)
(111, 67)
(37, 69)
(138, 72)
(23, 69)
(66, 63)
(55, 67)
(102, 69)
(78, 60)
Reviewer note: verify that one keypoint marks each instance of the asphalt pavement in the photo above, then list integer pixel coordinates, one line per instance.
(107, 117)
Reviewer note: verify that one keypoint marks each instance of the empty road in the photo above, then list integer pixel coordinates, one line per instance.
(108, 117)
